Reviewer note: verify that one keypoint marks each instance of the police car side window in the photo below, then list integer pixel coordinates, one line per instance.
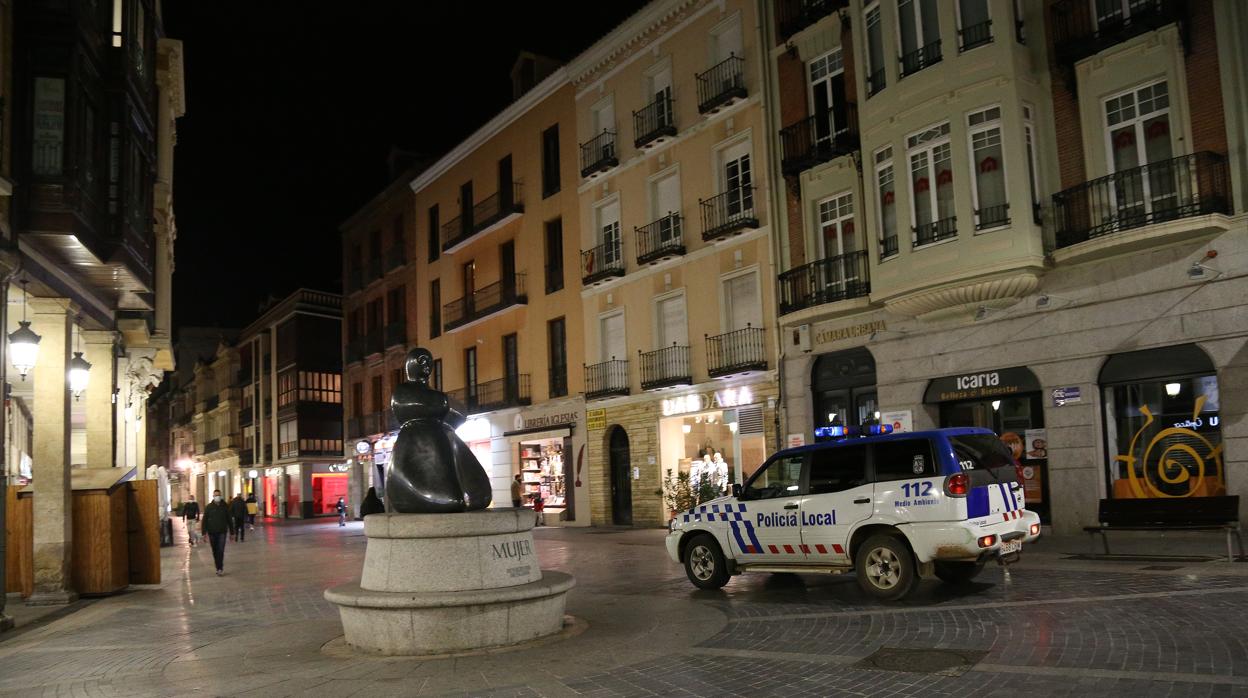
(903, 459)
(838, 469)
(781, 478)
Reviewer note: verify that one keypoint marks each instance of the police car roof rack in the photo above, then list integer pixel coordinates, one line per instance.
(841, 432)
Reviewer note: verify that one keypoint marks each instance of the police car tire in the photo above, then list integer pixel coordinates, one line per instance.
(703, 551)
(957, 572)
(902, 566)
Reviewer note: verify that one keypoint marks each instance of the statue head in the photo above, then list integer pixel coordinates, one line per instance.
(419, 365)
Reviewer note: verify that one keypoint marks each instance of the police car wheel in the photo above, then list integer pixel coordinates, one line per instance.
(705, 564)
(957, 572)
(885, 567)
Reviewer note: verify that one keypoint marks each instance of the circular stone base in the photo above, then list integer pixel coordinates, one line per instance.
(572, 626)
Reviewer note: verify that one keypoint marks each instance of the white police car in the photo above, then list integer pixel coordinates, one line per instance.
(891, 507)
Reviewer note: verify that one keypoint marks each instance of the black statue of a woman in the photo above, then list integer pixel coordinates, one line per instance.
(431, 471)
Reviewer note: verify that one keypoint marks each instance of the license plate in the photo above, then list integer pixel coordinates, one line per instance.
(1010, 546)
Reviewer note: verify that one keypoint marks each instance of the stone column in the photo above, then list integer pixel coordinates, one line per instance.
(53, 544)
(97, 346)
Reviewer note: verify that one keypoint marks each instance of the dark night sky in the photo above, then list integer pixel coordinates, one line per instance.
(292, 107)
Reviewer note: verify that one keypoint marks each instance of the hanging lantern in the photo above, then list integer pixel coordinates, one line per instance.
(79, 374)
(24, 348)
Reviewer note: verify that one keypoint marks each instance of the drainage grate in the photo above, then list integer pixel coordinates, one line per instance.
(1162, 568)
(942, 662)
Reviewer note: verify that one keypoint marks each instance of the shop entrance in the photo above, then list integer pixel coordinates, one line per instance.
(843, 389)
(1008, 401)
(544, 466)
(326, 489)
(621, 478)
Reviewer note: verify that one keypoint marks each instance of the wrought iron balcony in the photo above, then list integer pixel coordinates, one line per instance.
(1168, 190)
(729, 213)
(396, 334)
(395, 257)
(825, 281)
(888, 246)
(918, 59)
(598, 154)
(736, 352)
(511, 391)
(818, 139)
(606, 379)
(602, 262)
(654, 122)
(876, 81)
(1082, 28)
(975, 35)
(993, 216)
(660, 240)
(492, 211)
(666, 367)
(793, 16)
(927, 233)
(721, 85)
(483, 302)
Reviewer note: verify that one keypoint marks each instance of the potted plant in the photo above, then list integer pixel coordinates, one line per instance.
(679, 494)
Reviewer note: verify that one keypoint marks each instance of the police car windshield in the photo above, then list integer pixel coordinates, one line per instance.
(980, 451)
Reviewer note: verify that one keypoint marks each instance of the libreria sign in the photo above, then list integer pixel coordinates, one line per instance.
(697, 402)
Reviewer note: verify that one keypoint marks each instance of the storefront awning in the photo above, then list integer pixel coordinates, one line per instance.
(557, 432)
(982, 384)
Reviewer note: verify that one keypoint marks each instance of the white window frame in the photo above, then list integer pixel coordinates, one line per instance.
(606, 104)
(839, 219)
(1032, 154)
(599, 238)
(602, 344)
(826, 77)
(883, 159)
(725, 323)
(657, 317)
(971, 131)
(918, 27)
(724, 26)
(866, 45)
(671, 233)
(928, 147)
(992, 36)
(1137, 125)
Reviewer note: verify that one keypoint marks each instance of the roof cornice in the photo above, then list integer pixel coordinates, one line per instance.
(632, 32)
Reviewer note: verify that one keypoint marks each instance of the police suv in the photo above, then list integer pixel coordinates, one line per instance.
(890, 507)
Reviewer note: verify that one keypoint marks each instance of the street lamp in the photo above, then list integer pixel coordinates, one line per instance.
(79, 374)
(23, 342)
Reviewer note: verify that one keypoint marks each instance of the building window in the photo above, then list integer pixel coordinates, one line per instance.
(435, 309)
(378, 394)
(992, 209)
(286, 388)
(1033, 177)
(288, 439)
(436, 377)
(550, 161)
(836, 225)
(554, 255)
(888, 202)
(875, 50)
(609, 235)
(974, 24)
(320, 387)
(357, 399)
(49, 127)
(918, 28)
(933, 217)
(556, 332)
(1137, 132)
(435, 242)
(470, 374)
(396, 305)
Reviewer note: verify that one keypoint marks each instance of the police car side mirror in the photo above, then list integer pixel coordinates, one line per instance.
(736, 490)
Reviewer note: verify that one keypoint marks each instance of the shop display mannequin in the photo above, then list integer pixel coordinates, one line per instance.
(431, 469)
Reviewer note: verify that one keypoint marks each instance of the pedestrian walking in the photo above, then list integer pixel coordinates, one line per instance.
(216, 523)
(372, 504)
(253, 507)
(342, 512)
(539, 506)
(190, 517)
(517, 492)
(238, 516)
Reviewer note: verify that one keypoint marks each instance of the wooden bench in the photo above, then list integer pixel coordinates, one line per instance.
(1177, 514)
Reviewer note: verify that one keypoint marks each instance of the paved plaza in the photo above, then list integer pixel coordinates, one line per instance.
(1148, 624)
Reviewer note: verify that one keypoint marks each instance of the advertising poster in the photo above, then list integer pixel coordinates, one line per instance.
(1036, 450)
(901, 421)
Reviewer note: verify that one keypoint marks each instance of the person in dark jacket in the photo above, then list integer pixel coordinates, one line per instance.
(238, 516)
(190, 516)
(372, 504)
(216, 523)
(342, 511)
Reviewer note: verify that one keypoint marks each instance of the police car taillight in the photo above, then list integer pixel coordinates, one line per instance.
(957, 485)
(1035, 529)
(987, 541)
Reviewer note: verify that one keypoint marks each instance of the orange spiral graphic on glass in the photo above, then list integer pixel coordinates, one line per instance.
(1165, 461)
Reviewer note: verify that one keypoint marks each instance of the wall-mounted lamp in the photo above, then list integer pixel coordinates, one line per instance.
(996, 405)
(1173, 389)
(23, 342)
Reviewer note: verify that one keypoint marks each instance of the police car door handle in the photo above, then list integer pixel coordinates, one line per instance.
(862, 500)
(790, 506)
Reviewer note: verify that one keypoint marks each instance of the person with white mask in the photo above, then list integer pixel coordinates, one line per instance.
(217, 523)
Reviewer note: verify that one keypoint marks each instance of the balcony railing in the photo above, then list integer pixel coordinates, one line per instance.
(355, 350)
(920, 58)
(1082, 28)
(721, 85)
(511, 391)
(654, 122)
(793, 16)
(486, 300)
(825, 281)
(489, 212)
(396, 334)
(888, 246)
(602, 262)
(659, 240)
(992, 216)
(927, 233)
(975, 35)
(819, 139)
(876, 81)
(728, 213)
(736, 352)
(1182, 187)
(666, 367)
(606, 379)
(395, 257)
(598, 154)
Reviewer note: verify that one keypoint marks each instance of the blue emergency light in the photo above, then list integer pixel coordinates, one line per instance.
(838, 431)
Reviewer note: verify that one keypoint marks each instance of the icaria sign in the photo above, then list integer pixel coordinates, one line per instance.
(698, 402)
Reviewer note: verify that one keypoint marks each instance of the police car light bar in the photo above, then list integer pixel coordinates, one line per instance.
(840, 432)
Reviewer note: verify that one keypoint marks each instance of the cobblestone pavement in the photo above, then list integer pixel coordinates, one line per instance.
(1054, 625)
